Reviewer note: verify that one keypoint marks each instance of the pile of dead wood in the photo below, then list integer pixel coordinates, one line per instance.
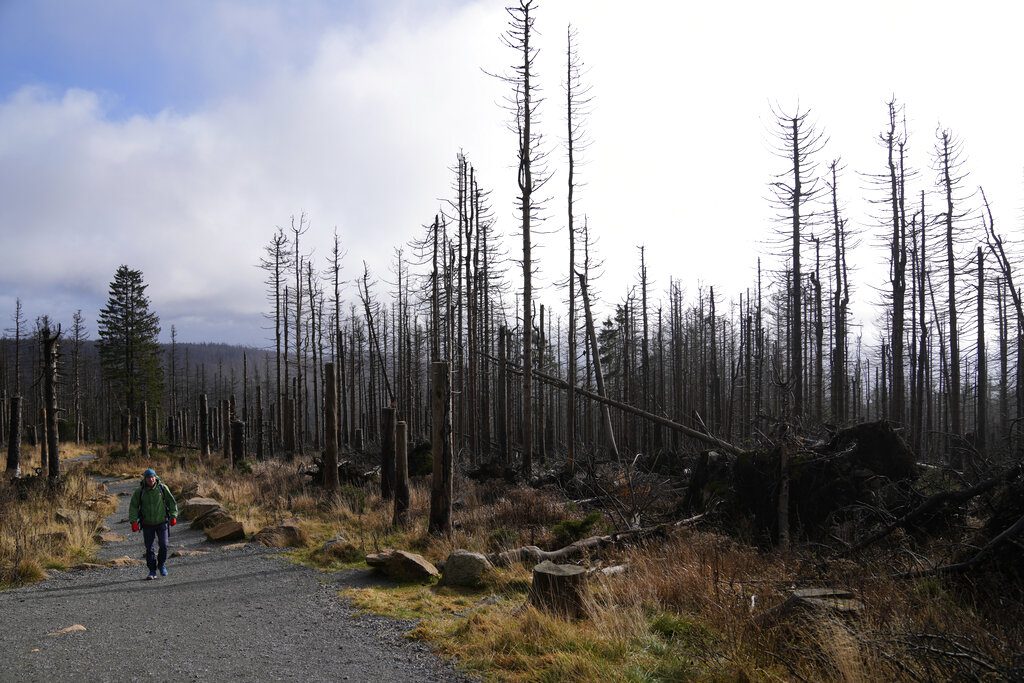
(857, 466)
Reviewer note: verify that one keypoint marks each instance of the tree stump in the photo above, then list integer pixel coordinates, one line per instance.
(559, 589)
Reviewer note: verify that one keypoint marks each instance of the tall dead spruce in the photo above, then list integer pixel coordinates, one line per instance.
(524, 104)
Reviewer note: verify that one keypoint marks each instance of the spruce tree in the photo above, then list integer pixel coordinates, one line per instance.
(128, 346)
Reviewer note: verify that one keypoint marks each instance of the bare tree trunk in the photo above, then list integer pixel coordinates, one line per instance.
(981, 426)
(14, 438)
(330, 463)
(501, 412)
(387, 452)
(441, 445)
(401, 517)
(144, 429)
(237, 442)
(598, 375)
(204, 426)
(50, 396)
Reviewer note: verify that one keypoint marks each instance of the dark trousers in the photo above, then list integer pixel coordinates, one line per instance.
(161, 532)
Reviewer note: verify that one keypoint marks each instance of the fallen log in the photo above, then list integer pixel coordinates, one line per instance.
(533, 554)
(707, 439)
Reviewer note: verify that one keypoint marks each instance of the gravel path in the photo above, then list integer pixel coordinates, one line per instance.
(238, 614)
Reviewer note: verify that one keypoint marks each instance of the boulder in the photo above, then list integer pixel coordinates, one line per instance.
(197, 507)
(403, 566)
(192, 490)
(211, 518)
(226, 532)
(287, 535)
(185, 552)
(464, 568)
(125, 561)
(341, 549)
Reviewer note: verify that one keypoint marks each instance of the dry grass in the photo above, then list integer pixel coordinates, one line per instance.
(32, 540)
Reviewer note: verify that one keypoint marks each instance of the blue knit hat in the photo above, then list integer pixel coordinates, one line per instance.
(149, 473)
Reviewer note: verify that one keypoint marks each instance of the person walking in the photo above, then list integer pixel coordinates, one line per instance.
(154, 511)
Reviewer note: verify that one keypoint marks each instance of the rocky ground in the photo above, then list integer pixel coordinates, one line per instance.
(224, 613)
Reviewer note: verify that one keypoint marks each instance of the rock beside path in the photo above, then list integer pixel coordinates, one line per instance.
(197, 507)
(225, 532)
(403, 566)
(465, 568)
(287, 535)
(211, 518)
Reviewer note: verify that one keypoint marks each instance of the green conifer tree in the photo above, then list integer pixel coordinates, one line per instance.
(128, 347)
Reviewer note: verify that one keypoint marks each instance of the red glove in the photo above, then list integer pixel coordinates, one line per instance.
(174, 520)
(135, 526)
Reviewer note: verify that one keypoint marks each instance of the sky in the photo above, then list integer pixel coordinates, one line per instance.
(175, 137)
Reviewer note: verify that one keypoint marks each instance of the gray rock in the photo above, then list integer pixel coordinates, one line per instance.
(226, 532)
(465, 568)
(195, 508)
(285, 535)
(211, 519)
(403, 566)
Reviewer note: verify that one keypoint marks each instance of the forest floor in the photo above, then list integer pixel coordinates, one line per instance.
(225, 613)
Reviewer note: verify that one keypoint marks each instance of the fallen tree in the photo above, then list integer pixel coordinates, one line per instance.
(587, 546)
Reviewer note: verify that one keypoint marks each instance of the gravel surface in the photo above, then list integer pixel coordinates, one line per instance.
(238, 614)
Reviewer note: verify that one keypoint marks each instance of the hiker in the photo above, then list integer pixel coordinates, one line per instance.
(154, 511)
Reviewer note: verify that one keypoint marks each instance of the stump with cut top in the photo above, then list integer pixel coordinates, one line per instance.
(559, 589)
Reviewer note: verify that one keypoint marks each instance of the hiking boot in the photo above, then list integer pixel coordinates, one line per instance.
(163, 571)
(152, 575)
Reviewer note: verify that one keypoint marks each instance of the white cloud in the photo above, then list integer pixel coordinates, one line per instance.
(358, 130)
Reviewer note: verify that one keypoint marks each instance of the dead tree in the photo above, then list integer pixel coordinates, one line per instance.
(387, 452)
(797, 141)
(841, 299)
(577, 96)
(523, 105)
(144, 429)
(598, 374)
(441, 447)
(50, 340)
(981, 403)
(949, 167)
(330, 466)
(204, 427)
(401, 517)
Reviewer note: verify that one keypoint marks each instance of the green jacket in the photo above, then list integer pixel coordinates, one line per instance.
(152, 506)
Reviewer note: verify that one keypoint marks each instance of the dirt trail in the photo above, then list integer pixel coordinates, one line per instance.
(237, 614)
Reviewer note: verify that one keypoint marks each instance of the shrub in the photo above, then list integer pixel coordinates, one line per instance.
(571, 530)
